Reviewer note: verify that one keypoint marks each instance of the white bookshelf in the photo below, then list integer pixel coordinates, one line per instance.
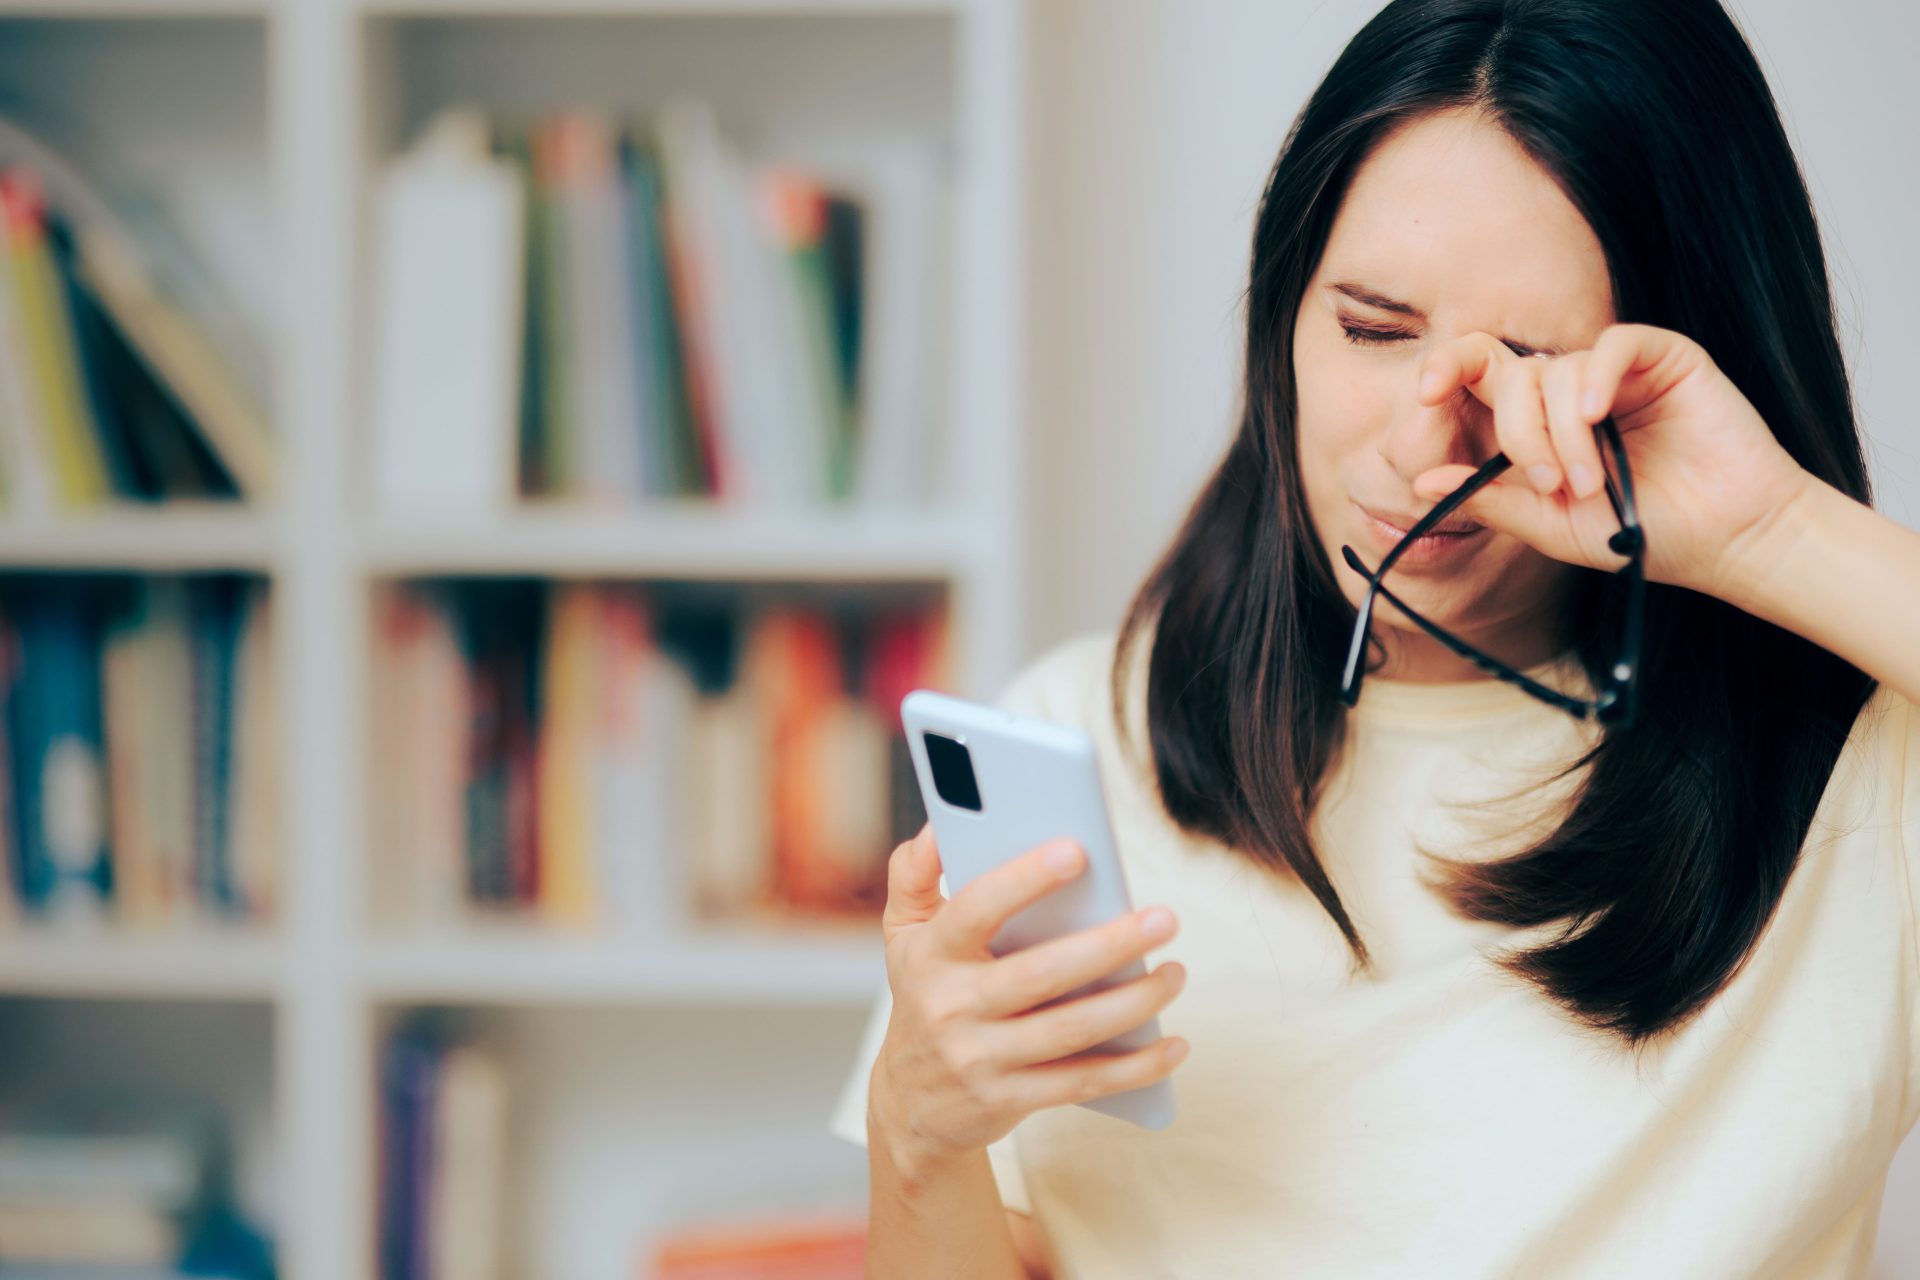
(175, 538)
(655, 1077)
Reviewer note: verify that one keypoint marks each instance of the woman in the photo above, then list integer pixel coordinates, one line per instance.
(1477, 988)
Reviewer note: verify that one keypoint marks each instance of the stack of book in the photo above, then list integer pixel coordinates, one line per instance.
(443, 1156)
(143, 1204)
(607, 313)
(581, 754)
(137, 750)
(112, 383)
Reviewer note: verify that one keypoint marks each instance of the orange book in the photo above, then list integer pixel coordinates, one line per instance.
(785, 1248)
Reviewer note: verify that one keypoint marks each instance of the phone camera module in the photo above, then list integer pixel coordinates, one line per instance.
(952, 771)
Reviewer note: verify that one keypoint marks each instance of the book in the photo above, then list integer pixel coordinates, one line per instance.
(446, 362)
(144, 288)
(786, 1246)
(69, 433)
(590, 757)
(573, 682)
(442, 1155)
(672, 448)
(54, 728)
(592, 287)
(137, 730)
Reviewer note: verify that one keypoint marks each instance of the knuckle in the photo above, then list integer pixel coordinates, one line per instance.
(965, 1057)
(948, 1005)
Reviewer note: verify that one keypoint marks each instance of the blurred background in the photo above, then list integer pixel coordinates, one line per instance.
(476, 478)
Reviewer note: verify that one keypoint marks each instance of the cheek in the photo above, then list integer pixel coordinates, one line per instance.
(1343, 407)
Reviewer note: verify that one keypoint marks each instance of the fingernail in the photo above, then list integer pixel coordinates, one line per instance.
(1580, 477)
(1544, 477)
(1064, 858)
(1176, 1050)
(1592, 404)
(1428, 381)
(1157, 923)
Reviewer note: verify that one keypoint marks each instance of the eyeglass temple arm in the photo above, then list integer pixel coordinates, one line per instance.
(1624, 543)
(1357, 646)
(1486, 662)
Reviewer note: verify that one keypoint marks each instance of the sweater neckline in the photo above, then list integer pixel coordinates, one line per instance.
(1479, 696)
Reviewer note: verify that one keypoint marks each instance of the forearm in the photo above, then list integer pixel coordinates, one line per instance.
(937, 1218)
(1845, 577)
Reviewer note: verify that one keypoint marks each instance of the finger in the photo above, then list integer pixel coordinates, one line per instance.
(1629, 365)
(1048, 970)
(913, 882)
(1509, 508)
(1520, 425)
(975, 914)
(1078, 1025)
(1572, 435)
(1463, 363)
(1056, 1084)
(1508, 385)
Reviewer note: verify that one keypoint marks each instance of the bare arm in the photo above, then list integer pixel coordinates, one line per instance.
(937, 1217)
(977, 1041)
(1842, 575)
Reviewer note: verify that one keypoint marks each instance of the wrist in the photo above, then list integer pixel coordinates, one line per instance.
(1762, 558)
(892, 1133)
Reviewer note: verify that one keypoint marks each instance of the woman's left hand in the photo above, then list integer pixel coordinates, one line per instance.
(1707, 472)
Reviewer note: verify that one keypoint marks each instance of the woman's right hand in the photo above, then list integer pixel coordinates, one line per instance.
(967, 1055)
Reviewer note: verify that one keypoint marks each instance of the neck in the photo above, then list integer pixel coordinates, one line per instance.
(1413, 655)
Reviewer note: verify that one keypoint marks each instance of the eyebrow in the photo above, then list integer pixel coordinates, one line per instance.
(1360, 293)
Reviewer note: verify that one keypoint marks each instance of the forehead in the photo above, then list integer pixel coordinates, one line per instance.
(1449, 214)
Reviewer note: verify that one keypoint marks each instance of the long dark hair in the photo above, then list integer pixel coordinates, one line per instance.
(1657, 123)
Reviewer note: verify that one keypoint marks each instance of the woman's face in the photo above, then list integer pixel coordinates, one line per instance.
(1447, 228)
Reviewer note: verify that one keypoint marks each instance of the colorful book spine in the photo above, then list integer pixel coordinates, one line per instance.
(614, 768)
(137, 726)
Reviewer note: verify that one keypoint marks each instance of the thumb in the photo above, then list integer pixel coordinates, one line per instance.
(1508, 508)
(913, 882)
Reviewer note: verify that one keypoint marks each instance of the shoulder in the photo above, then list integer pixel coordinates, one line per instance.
(1071, 682)
(1876, 779)
(1059, 682)
(1888, 730)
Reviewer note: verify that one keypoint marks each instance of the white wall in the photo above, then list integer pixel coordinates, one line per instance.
(1154, 123)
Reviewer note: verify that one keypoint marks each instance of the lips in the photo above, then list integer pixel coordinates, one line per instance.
(1452, 526)
(1456, 537)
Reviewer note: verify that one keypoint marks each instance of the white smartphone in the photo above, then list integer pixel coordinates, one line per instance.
(995, 784)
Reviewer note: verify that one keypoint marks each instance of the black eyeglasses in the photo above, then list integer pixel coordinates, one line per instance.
(1613, 702)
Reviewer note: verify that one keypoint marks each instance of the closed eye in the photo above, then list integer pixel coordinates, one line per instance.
(1361, 335)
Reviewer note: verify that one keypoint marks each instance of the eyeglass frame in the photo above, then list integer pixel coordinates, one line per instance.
(1615, 701)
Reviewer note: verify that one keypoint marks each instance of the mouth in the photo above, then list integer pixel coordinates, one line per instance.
(1456, 536)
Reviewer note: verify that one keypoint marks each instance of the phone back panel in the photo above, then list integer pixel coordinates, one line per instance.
(1037, 781)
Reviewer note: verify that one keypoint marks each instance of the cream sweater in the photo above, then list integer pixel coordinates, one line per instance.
(1440, 1118)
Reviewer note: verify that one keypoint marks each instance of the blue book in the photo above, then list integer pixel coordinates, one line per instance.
(59, 749)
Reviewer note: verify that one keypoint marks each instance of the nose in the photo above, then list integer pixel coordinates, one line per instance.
(1422, 437)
